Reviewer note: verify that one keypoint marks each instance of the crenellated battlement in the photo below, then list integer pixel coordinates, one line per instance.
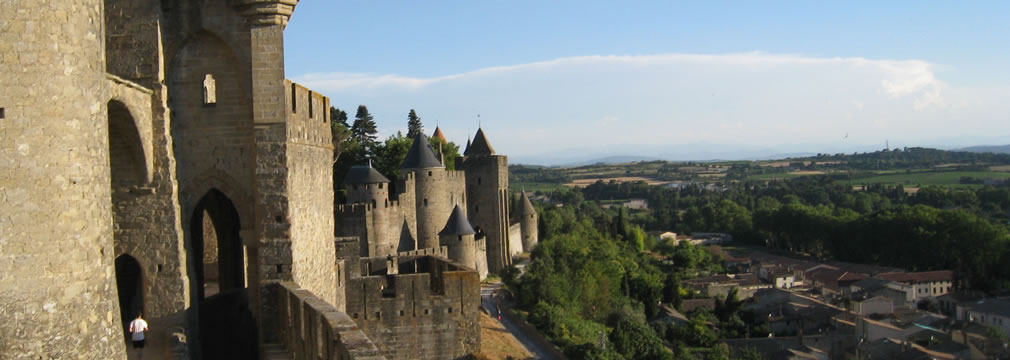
(367, 209)
(455, 174)
(441, 251)
(404, 287)
(267, 12)
(308, 115)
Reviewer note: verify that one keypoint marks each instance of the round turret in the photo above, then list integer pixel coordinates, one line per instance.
(527, 222)
(430, 189)
(458, 237)
(365, 185)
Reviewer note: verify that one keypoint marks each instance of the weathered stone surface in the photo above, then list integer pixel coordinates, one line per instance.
(428, 310)
(487, 192)
(56, 235)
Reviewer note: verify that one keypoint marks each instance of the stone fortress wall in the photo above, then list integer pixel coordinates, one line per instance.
(153, 158)
(422, 307)
(309, 165)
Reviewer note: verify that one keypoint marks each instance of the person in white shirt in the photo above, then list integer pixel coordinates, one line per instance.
(138, 327)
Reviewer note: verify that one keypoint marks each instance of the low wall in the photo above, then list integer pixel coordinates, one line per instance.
(310, 328)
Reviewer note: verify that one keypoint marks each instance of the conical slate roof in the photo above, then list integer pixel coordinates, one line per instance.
(457, 224)
(421, 155)
(480, 145)
(467, 148)
(438, 134)
(364, 174)
(525, 206)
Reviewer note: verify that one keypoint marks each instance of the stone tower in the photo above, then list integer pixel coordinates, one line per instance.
(527, 222)
(487, 198)
(365, 185)
(57, 287)
(430, 189)
(458, 237)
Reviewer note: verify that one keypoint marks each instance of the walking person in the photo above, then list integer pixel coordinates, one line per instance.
(138, 327)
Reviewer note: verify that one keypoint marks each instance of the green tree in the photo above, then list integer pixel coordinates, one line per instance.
(995, 332)
(672, 290)
(339, 131)
(447, 150)
(589, 351)
(637, 341)
(339, 116)
(347, 152)
(389, 155)
(718, 352)
(364, 130)
(749, 353)
(414, 126)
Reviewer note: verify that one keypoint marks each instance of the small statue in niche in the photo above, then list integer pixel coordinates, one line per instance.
(209, 90)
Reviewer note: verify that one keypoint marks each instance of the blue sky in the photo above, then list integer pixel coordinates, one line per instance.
(548, 76)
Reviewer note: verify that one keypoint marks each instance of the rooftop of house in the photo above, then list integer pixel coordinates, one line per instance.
(999, 307)
(888, 348)
(904, 319)
(738, 260)
(885, 292)
(744, 279)
(691, 304)
(877, 298)
(870, 284)
(808, 264)
(960, 296)
(917, 277)
(831, 279)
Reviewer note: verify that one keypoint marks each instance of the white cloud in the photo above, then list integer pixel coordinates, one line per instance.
(743, 98)
(898, 77)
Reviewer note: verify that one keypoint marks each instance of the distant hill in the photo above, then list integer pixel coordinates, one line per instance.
(999, 149)
(709, 152)
(616, 159)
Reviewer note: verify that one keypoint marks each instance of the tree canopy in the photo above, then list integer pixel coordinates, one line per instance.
(364, 130)
(414, 126)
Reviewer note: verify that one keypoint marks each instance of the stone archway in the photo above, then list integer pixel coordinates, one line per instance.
(130, 285)
(215, 249)
(126, 150)
(225, 327)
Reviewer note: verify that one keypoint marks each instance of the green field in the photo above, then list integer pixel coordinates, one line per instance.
(948, 178)
(534, 186)
(776, 176)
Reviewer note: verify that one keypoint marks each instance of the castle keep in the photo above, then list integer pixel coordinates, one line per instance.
(153, 158)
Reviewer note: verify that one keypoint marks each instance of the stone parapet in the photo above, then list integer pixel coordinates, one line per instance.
(311, 328)
(267, 12)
